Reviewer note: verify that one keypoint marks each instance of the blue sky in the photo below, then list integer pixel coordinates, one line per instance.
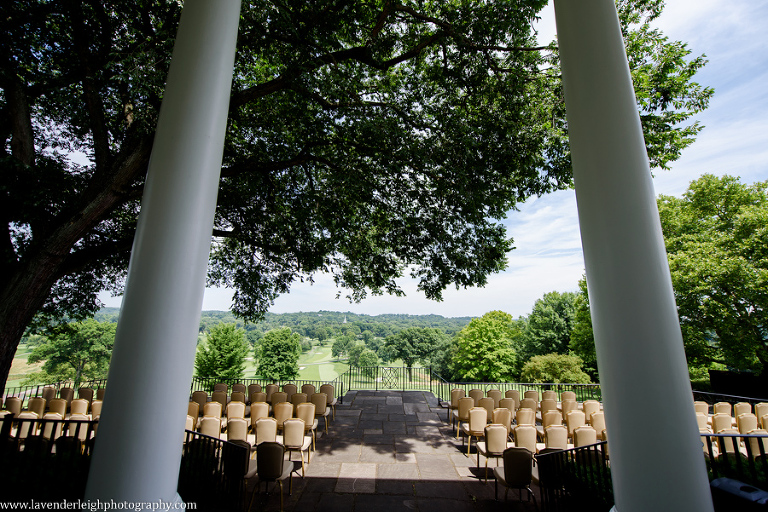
(548, 256)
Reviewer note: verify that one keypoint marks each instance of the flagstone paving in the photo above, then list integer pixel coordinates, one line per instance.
(391, 451)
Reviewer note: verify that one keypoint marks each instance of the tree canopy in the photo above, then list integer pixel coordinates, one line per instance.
(78, 351)
(548, 328)
(717, 241)
(484, 351)
(365, 139)
(554, 368)
(278, 355)
(222, 354)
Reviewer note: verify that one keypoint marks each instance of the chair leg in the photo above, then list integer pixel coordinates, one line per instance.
(281, 494)
(486, 470)
(469, 444)
(302, 463)
(496, 489)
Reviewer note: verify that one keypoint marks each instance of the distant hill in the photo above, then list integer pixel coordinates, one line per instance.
(314, 323)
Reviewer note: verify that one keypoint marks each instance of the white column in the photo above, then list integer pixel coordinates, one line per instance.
(657, 462)
(139, 441)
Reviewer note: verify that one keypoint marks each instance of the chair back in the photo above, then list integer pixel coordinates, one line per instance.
(49, 393)
(465, 404)
(258, 396)
(193, 409)
(703, 407)
(729, 445)
(306, 412)
(278, 397)
(309, 389)
(529, 403)
(78, 426)
(212, 409)
(701, 421)
(508, 403)
(746, 422)
(556, 436)
(52, 428)
(567, 395)
(221, 397)
(722, 407)
(584, 435)
(525, 437)
(761, 409)
(496, 438)
(201, 397)
(487, 404)
(551, 418)
(238, 388)
(271, 388)
(574, 420)
(254, 388)
(67, 394)
(321, 403)
(189, 424)
(235, 410)
(590, 406)
(100, 393)
(85, 394)
(567, 406)
(721, 421)
(237, 429)
(518, 466)
(266, 431)
(597, 421)
(13, 404)
(496, 395)
(220, 386)
(755, 442)
(547, 404)
(741, 408)
(28, 427)
(36, 404)
(57, 405)
(329, 391)
(290, 389)
(237, 396)
(282, 411)
(533, 394)
(502, 416)
(525, 416)
(79, 406)
(514, 394)
(476, 395)
(457, 393)
(478, 419)
(269, 460)
(259, 410)
(210, 426)
(549, 394)
(293, 433)
(298, 398)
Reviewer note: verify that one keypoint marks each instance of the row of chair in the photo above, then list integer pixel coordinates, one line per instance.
(14, 404)
(270, 394)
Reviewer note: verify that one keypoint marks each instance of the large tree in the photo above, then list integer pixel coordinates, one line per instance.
(485, 349)
(717, 241)
(278, 355)
(364, 139)
(549, 326)
(222, 354)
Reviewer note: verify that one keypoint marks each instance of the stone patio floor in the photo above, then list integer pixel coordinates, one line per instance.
(391, 450)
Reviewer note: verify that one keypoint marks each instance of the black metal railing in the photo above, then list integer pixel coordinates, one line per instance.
(27, 392)
(738, 456)
(212, 472)
(207, 384)
(389, 378)
(576, 479)
(713, 398)
(583, 391)
(44, 459)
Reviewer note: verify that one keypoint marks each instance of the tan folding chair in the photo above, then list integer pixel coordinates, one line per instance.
(298, 398)
(36, 404)
(496, 395)
(478, 419)
(746, 422)
(321, 407)
(525, 437)
(210, 426)
(529, 403)
(330, 397)
(266, 431)
(721, 421)
(79, 406)
(289, 390)
(741, 408)
(487, 404)
(476, 395)
(589, 407)
(456, 393)
(503, 416)
(574, 420)
(584, 436)
(295, 440)
(59, 406)
(201, 398)
(238, 388)
(556, 436)
(567, 395)
(282, 411)
(462, 413)
(533, 394)
(549, 394)
(220, 386)
(309, 389)
(254, 388)
(306, 412)
(85, 393)
(514, 394)
(494, 445)
(598, 423)
(525, 416)
(703, 407)
(221, 397)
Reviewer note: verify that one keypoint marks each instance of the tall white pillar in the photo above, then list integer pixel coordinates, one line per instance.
(139, 442)
(657, 462)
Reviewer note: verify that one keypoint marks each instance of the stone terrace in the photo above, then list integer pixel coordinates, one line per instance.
(391, 450)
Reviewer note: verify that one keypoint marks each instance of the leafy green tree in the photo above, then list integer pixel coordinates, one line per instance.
(78, 351)
(582, 337)
(222, 354)
(555, 368)
(341, 346)
(484, 351)
(354, 353)
(364, 138)
(549, 325)
(278, 355)
(717, 242)
(414, 344)
(368, 360)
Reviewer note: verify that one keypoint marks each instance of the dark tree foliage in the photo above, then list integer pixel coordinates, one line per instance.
(364, 139)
